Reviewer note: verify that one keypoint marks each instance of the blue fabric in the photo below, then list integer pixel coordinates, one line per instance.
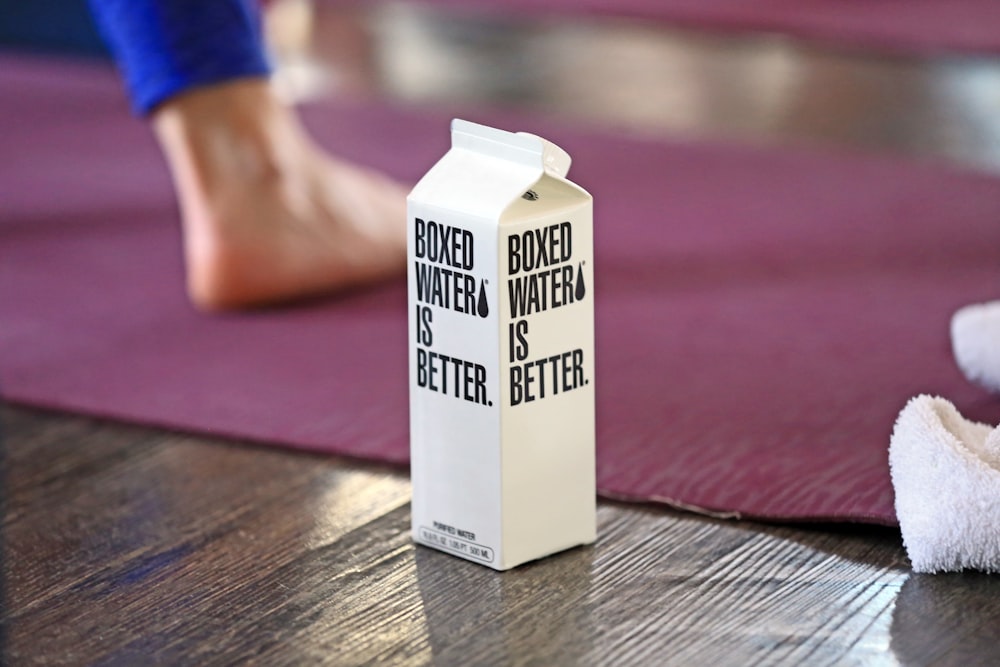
(165, 47)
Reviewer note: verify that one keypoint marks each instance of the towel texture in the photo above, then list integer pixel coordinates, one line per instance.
(946, 474)
(975, 339)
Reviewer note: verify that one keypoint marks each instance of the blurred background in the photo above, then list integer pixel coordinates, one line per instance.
(643, 77)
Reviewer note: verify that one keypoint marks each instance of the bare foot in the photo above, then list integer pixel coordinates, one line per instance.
(267, 215)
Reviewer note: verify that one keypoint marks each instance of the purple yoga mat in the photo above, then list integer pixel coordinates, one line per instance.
(762, 315)
(896, 26)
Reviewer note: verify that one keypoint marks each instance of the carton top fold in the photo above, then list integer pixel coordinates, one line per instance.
(488, 169)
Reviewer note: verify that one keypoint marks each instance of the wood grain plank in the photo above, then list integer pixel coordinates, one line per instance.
(139, 546)
(174, 518)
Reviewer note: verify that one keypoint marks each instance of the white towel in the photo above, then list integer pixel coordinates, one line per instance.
(975, 339)
(946, 473)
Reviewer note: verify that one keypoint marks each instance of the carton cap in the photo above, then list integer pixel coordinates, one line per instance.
(521, 147)
(555, 160)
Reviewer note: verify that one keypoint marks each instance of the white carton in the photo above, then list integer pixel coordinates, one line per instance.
(501, 325)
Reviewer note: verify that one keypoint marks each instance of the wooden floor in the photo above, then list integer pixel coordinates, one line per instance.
(128, 546)
(124, 545)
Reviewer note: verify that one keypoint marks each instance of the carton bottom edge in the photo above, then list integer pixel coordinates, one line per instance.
(504, 566)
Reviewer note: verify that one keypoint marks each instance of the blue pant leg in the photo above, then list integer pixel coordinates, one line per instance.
(165, 47)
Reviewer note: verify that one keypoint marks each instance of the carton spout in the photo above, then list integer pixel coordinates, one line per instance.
(555, 160)
(522, 148)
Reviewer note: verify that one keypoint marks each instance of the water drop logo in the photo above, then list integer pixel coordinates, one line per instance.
(483, 306)
(581, 288)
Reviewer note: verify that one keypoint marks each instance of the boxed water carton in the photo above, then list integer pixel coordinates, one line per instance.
(501, 327)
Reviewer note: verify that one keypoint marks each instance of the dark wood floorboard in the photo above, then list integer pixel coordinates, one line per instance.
(128, 545)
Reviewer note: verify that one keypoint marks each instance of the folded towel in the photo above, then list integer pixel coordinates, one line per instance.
(975, 338)
(946, 473)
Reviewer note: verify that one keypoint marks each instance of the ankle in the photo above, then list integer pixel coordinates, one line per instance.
(236, 133)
